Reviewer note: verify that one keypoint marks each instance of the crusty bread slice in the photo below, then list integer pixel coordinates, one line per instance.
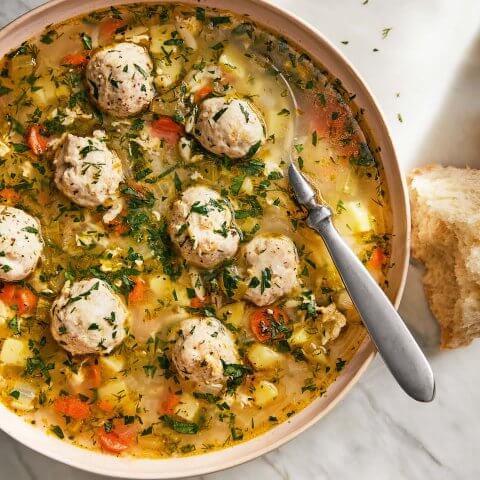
(446, 238)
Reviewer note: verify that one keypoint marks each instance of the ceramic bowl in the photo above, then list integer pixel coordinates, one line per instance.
(321, 50)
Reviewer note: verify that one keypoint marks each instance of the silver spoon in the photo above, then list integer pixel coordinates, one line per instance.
(396, 345)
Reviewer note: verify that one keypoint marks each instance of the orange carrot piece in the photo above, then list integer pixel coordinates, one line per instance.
(169, 404)
(94, 375)
(9, 195)
(138, 292)
(377, 259)
(111, 442)
(109, 27)
(166, 128)
(105, 406)
(21, 297)
(36, 141)
(25, 300)
(72, 407)
(203, 92)
(197, 302)
(261, 322)
(75, 59)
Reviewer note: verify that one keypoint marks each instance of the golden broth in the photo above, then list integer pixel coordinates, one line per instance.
(135, 389)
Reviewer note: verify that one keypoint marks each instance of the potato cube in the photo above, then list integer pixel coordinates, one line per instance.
(14, 352)
(265, 393)
(263, 357)
(188, 408)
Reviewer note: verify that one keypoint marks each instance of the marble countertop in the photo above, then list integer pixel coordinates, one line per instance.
(426, 72)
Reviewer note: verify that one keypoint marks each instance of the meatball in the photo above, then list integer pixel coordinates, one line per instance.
(86, 171)
(21, 244)
(88, 317)
(202, 346)
(120, 79)
(272, 263)
(229, 127)
(202, 227)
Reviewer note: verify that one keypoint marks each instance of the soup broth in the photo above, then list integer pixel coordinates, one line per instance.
(281, 355)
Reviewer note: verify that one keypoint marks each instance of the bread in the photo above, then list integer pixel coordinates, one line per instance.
(446, 238)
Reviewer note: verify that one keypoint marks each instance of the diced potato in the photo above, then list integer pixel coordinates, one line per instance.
(299, 336)
(233, 61)
(265, 393)
(62, 91)
(26, 395)
(344, 302)
(168, 72)
(6, 313)
(233, 313)
(114, 391)
(113, 363)
(14, 352)
(46, 93)
(160, 34)
(20, 67)
(76, 380)
(4, 149)
(188, 408)
(358, 218)
(247, 186)
(151, 442)
(162, 287)
(263, 357)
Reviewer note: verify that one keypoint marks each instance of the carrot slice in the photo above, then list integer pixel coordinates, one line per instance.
(111, 442)
(169, 404)
(75, 59)
(203, 92)
(263, 321)
(7, 294)
(119, 439)
(377, 259)
(138, 292)
(36, 141)
(21, 297)
(94, 375)
(333, 121)
(166, 128)
(25, 300)
(105, 406)
(72, 407)
(9, 195)
(197, 302)
(109, 27)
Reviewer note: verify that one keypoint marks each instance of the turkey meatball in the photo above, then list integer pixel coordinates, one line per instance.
(21, 244)
(272, 264)
(229, 127)
(201, 225)
(200, 351)
(120, 79)
(88, 317)
(86, 171)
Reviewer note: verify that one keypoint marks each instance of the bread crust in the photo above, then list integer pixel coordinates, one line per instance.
(445, 205)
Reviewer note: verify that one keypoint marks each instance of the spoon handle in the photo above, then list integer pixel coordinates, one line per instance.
(396, 345)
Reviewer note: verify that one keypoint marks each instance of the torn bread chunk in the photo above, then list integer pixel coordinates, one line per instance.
(446, 238)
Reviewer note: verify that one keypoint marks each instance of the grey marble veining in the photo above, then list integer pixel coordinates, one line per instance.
(428, 71)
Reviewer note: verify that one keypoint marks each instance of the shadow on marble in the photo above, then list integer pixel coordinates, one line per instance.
(453, 139)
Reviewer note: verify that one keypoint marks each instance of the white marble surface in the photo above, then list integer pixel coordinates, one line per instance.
(431, 58)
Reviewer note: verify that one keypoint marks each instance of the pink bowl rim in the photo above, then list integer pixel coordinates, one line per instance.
(36, 439)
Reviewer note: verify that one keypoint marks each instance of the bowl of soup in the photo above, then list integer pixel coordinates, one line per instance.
(164, 309)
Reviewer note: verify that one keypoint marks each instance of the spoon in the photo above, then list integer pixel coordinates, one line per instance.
(393, 340)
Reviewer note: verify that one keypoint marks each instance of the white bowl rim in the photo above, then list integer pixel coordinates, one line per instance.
(126, 467)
